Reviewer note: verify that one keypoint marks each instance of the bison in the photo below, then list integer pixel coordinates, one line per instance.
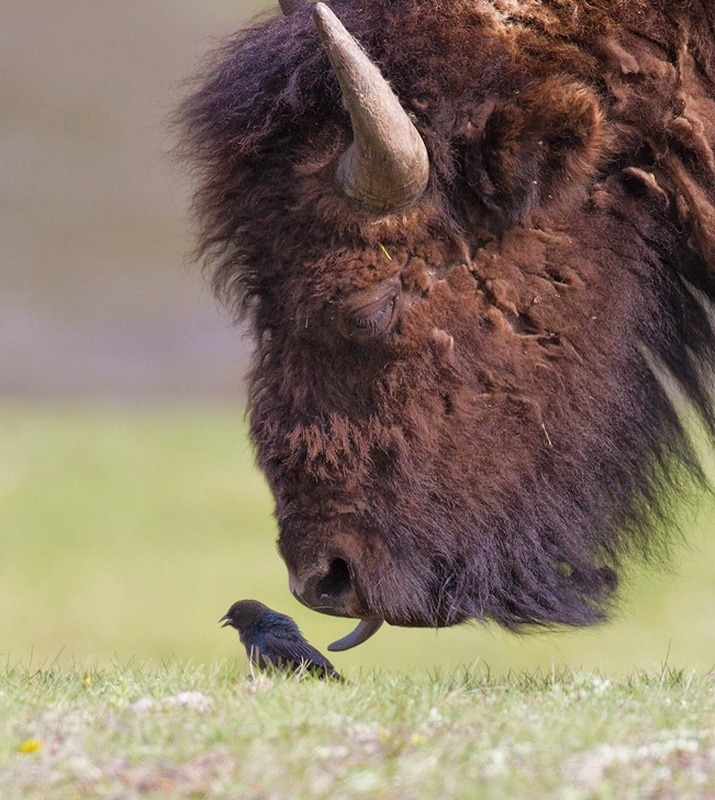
(474, 241)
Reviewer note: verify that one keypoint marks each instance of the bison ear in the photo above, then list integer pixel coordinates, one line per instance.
(536, 147)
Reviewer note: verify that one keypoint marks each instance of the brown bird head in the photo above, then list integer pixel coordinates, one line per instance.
(243, 613)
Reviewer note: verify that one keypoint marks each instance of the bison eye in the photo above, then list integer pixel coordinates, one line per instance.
(369, 314)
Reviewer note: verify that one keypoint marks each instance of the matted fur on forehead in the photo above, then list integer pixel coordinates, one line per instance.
(267, 122)
(266, 100)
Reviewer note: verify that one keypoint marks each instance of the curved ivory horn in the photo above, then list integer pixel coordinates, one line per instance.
(386, 167)
(289, 6)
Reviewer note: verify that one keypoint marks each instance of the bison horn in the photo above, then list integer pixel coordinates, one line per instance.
(386, 168)
(289, 6)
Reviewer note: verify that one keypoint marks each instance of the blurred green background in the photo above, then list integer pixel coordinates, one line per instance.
(131, 514)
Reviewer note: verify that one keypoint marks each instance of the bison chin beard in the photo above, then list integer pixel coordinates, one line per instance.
(355, 574)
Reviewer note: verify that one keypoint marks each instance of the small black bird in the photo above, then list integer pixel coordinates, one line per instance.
(273, 640)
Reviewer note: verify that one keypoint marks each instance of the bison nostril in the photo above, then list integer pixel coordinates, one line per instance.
(337, 581)
(332, 591)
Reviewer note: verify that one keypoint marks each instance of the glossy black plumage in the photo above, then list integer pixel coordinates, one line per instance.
(273, 640)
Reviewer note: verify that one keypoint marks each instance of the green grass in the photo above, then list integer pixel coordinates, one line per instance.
(126, 533)
(176, 730)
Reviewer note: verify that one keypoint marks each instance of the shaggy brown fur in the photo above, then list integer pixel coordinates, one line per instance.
(455, 405)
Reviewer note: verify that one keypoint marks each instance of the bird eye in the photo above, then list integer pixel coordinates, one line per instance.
(369, 314)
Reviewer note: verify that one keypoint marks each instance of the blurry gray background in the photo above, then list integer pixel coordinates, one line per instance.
(97, 299)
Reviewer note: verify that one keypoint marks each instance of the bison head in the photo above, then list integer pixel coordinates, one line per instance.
(461, 298)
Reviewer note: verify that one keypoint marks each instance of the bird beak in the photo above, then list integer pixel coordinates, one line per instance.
(227, 620)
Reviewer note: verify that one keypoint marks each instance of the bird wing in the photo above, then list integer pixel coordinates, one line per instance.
(283, 646)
